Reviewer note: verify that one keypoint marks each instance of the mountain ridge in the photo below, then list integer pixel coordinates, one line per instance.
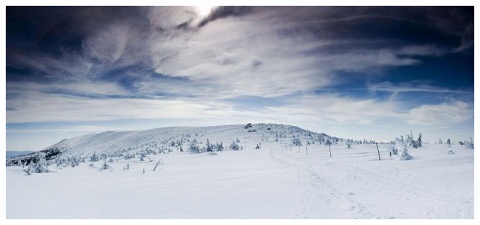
(180, 139)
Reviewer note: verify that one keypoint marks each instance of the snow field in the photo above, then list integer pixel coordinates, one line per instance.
(277, 181)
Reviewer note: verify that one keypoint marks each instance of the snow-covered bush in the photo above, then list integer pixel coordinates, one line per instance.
(142, 156)
(40, 166)
(195, 149)
(94, 157)
(392, 150)
(402, 149)
(297, 142)
(105, 166)
(73, 161)
(129, 156)
(440, 141)
(234, 146)
(219, 147)
(469, 144)
(328, 142)
(412, 142)
(209, 147)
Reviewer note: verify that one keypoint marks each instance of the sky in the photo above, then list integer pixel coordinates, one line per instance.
(352, 72)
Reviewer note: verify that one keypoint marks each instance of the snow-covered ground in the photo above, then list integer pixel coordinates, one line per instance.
(276, 181)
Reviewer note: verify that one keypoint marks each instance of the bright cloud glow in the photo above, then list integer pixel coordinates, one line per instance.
(205, 10)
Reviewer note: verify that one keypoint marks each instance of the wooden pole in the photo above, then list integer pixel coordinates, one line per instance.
(329, 150)
(378, 152)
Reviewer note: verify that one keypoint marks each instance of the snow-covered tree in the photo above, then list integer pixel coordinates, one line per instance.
(419, 140)
(328, 142)
(220, 147)
(234, 146)
(469, 145)
(40, 166)
(415, 143)
(142, 156)
(297, 142)
(129, 156)
(392, 150)
(402, 149)
(94, 157)
(194, 148)
(10, 163)
(209, 147)
(105, 166)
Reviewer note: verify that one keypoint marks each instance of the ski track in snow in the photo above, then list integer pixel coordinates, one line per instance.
(319, 187)
(319, 197)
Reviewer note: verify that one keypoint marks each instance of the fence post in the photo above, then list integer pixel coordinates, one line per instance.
(329, 150)
(378, 152)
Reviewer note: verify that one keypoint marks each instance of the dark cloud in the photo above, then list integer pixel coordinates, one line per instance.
(39, 39)
(133, 46)
(53, 41)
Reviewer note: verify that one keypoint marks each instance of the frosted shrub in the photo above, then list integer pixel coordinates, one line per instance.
(129, 156)
(297, 142)
(469, 145)
(194, 149)
(234, 146)
(142, 156)
(105, 166)
(41, 166)
(94, 157)
(392, 150)
(220, 146)
(402, 149)
(404, 155)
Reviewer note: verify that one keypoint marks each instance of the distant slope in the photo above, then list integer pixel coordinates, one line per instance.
(180, 138)
(17, 153)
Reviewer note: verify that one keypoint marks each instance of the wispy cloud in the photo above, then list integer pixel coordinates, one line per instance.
(445, 113)
(173, 63)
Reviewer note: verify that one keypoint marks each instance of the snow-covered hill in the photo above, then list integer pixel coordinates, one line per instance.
(179, 139)
(279, 171)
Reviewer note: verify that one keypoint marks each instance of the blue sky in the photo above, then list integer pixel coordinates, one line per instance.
(352, 72)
